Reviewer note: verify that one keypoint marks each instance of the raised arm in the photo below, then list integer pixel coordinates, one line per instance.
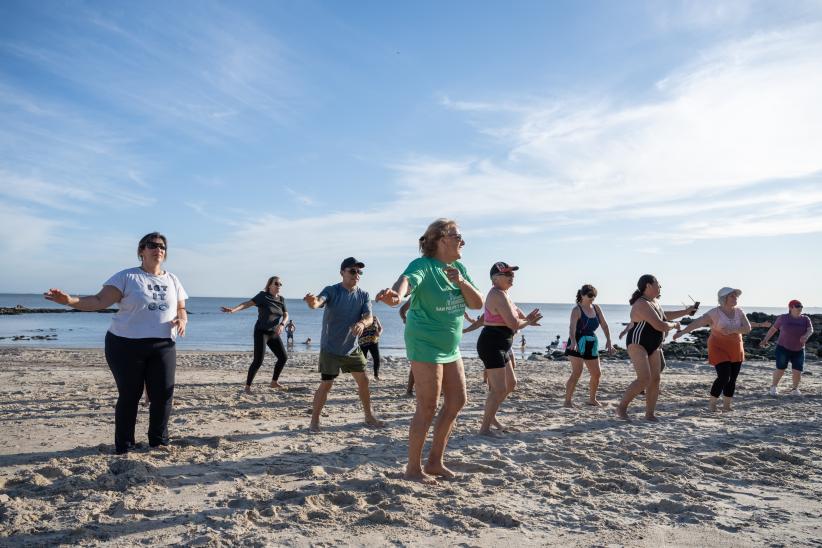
(107, 296)
(703, 321)
(680, 313)
(241, 306)
(313, 301)
(648, 314)
(394, 295)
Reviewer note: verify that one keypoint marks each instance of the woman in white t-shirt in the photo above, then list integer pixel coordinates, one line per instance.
(140, 347)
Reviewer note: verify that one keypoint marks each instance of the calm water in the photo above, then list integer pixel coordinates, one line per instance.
(210, 329)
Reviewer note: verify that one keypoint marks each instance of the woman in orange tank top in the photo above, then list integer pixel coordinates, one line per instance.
(725, 350)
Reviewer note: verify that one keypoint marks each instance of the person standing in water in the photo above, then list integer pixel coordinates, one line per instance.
(272, 315)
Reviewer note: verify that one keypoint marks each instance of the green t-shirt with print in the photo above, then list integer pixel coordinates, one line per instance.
(433, 328)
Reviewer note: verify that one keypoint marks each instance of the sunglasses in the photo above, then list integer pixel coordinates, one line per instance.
(506, 274)
(155, 245)
(591, 296)
(797, 306)
(278, 284)
(354, 271)
(456, 236)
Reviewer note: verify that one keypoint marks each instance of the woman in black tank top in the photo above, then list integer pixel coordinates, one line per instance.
(650, 325)
(582, 348)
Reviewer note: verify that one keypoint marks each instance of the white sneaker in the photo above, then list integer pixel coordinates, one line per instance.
(796, 392)
(772, 391)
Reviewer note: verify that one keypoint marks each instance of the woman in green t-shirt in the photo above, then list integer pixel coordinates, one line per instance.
(440, 290)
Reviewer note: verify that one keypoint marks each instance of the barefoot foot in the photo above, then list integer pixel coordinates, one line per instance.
(568, 404)
(314, 427)
(275, 384)
(374, 422)
(593, 403)
(490, 433)
(651, 418)
(439, 470)
(247, 389)
(420, 477)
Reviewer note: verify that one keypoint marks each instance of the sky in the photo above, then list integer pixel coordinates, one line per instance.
(586, 142)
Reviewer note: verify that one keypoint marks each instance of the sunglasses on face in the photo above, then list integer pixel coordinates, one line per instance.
(456, 236)
(278, 284)
(798, 306)
(506, 274)
(354, 271)
(591, 296)
(155, 245)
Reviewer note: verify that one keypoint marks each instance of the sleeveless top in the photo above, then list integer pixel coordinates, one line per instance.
(490, 318)
(586, 326)
(369, 334)
(725, 348)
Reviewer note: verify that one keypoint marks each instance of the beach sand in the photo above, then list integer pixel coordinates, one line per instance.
(245, 469)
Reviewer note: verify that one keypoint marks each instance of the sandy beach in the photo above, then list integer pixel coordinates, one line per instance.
(245, 470)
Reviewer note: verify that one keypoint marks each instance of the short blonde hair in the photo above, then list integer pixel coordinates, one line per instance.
(433, 234)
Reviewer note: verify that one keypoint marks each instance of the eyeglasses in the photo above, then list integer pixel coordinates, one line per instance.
(591, 296)
(278, 284)
(456, 236)
(797, 306)
(506, 274)
(354, 271)
(155, 245)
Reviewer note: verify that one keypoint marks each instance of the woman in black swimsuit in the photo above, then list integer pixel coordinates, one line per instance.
(650, 324)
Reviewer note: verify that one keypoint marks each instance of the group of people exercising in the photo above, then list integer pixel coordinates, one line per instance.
(434, 290)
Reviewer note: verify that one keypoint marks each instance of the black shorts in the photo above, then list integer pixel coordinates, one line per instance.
(493, 345)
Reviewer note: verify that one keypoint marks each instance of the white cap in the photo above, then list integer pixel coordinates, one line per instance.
(725, 291)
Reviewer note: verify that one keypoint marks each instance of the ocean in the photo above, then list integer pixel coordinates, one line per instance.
(210, 329)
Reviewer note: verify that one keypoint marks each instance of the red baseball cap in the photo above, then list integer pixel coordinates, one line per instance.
(794, 304)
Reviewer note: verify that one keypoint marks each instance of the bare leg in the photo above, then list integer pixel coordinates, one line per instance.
(652, 392)
(453, 386)
(510, 386)
(320, 396)
(496, 394)
(428, 382)
(365, 399)
(596, 373)
(639, 358)
(570, 386)
(777, 376)
(796, 377)
(409, 390)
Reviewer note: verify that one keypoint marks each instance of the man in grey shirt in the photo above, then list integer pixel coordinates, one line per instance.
(347, 311)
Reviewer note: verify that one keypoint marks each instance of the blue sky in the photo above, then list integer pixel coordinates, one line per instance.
(587, 142)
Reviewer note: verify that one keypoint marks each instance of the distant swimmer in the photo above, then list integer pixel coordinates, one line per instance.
(555, 342)
(794, 329)
(272, 316)
(307, 342)
(140, 343)
(726, 352)
(644, 338)
(290, 329)
(501, 319)
(583, 346)
(440, 290)
(346, 314)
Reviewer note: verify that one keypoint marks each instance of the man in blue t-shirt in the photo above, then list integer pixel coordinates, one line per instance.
(347, 311)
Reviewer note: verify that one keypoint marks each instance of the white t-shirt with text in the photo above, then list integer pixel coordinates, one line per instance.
(148, 306)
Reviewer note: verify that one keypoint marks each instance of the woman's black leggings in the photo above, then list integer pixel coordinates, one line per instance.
(725, 383)
(374, 348)
(275, 343)
(136, 363)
